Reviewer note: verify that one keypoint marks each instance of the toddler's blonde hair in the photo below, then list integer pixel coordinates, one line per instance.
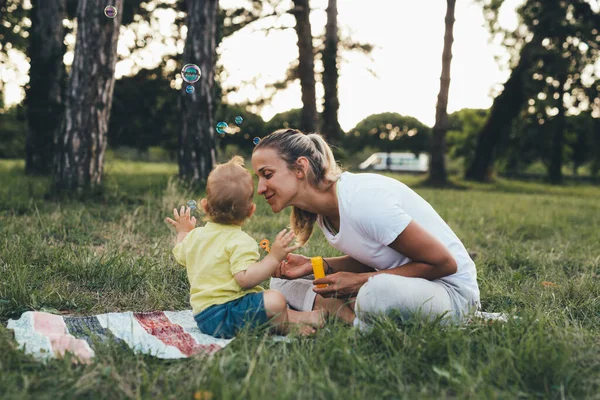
(229, 193)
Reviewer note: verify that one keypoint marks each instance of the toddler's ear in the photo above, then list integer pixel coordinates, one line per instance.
(204, 203)
(252, 210)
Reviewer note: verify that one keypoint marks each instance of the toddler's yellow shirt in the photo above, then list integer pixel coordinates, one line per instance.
(213, 254)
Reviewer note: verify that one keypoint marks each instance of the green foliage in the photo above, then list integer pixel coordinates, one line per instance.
(389, 132)
(239, 136)
(561, 79)
(464, 126)
(528, 143)
(113, 253)
(145, 111)
(151, 154)
(13, 133)
(286, 119)
(582, 139)
(13, 29)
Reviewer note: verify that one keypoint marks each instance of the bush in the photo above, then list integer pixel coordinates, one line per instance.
(151, 154)
(235, 150)
(13, 133)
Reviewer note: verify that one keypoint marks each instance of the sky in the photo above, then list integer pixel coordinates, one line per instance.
(408, 60)
(408, 36)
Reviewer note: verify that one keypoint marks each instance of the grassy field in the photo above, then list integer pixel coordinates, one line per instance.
(112, 252)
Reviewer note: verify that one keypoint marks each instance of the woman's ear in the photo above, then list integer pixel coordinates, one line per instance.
(301, 167)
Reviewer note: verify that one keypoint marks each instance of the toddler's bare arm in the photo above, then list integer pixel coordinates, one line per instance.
(263, 269)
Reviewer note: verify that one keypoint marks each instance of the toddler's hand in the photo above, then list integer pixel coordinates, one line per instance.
(183, 222)
(282, 247)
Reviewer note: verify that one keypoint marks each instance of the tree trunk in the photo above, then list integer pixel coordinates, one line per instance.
(331, 104)
(505, 108)
(45, 91)
(81, 139)
(306, 67)
(437, 172)
(558, 138)
(197, 144)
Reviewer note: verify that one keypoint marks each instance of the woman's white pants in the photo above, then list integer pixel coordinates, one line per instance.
(380, 295)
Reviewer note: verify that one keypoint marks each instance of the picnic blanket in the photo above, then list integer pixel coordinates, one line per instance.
(162, 334)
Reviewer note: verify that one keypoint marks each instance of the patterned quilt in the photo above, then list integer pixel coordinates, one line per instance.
(163, 334)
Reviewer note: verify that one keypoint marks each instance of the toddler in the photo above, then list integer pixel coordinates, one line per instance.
(222, 261)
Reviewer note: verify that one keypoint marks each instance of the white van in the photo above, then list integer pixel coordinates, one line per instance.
(403, 162)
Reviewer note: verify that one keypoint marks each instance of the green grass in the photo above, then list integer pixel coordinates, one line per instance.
(111, 251)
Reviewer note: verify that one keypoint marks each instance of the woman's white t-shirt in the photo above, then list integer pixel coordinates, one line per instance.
(375, 209)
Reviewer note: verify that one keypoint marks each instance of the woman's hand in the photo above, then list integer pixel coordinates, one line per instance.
(341, 284)
(183, 221)
(293, 267)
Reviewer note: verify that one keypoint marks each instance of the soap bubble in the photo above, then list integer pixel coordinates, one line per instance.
(191, 204)
(191, 73)
(110, 11)
(256, 140)
(239, 120)
(221, 127)
(189, 89)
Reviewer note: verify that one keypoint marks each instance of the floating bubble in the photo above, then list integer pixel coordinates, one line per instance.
(222, 127)
(110, 11)
(191, 73)
(192, 204)
(256, 140)
(189, 89)
(239, 120)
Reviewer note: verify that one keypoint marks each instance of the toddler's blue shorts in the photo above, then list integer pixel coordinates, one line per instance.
(226, 320)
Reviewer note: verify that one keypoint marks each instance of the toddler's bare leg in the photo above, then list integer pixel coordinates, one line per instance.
(340, 308)
(282, 318)
(276, 309)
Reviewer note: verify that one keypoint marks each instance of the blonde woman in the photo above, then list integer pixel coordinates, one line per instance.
(399, 253)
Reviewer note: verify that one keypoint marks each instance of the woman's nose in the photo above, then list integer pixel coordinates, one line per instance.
(262, 187)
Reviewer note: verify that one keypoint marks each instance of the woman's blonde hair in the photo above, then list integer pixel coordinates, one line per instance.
(229, 193)
(323, 170)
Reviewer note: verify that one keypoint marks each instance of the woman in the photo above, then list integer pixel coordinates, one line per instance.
(399, 253)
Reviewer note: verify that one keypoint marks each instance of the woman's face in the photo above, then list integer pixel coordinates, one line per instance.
(276, 182)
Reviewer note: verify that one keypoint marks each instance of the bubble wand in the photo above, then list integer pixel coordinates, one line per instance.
(318, 270)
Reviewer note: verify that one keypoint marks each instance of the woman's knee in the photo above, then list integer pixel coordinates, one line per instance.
(274, 302)
(383, 293)
(371, 294)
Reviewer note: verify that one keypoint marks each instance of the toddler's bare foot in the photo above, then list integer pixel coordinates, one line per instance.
(308, 321)
(304, 330)
(317, 318)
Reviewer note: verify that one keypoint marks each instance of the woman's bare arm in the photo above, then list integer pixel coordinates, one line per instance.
(431, 260)
(347, 263)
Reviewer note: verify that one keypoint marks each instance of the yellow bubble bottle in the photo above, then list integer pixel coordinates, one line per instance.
(318, 270)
